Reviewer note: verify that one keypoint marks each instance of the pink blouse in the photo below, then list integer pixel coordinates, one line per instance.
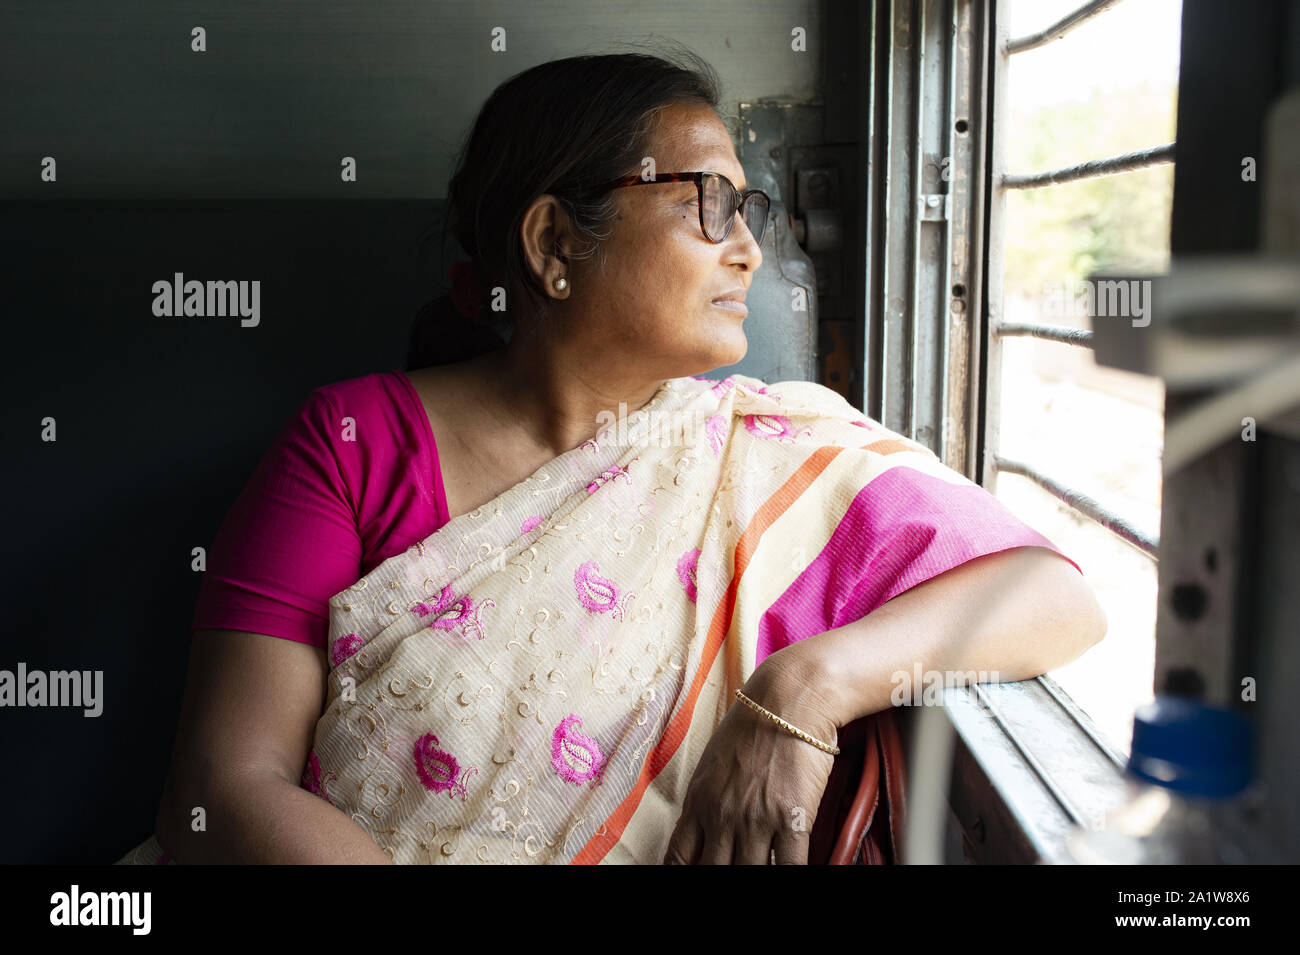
(352, 479)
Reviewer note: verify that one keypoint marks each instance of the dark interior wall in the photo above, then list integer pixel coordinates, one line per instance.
(159, 422)
(223, 166)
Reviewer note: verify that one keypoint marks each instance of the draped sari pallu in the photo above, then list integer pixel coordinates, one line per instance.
(536, 681)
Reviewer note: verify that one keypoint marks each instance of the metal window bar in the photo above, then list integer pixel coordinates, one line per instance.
(997, 330)
(1093, 168)
(1083, 504)
(1060, 28)
(1081, 337)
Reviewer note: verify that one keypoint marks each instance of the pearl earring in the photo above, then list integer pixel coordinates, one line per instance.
(561, 284)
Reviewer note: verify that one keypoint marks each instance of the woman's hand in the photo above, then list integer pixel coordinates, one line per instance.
(757, 786)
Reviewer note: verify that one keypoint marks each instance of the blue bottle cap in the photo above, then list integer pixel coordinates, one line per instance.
(1191, 747)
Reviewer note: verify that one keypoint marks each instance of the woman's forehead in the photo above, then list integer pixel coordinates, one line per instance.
(703, 160)
(693, 138)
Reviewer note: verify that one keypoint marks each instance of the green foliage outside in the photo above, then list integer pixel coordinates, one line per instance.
(1121, 222)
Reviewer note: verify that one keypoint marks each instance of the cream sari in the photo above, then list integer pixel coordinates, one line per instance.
(536, 680)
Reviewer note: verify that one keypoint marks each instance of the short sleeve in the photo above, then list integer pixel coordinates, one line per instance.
(290, 542)
(908, 526)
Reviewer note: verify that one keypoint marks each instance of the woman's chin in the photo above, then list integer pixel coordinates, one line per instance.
(728, 346)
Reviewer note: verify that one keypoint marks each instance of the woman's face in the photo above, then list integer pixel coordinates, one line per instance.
(653, 301)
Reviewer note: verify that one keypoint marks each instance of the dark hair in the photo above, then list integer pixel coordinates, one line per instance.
(559, 128)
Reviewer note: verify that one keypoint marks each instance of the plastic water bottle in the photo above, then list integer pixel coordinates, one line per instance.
(1189, 774)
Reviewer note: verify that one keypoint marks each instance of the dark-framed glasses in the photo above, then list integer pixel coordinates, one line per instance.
(719, 202)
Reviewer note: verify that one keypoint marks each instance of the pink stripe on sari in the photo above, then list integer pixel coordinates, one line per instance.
(902, 529)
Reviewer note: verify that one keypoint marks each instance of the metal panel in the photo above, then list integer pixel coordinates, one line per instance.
(879, 42)
(1205, 537)
(988, 440)
(1228, 604)
(967, 171)
(924, 216)
(782, 338)
(897, 291)
(930, 211)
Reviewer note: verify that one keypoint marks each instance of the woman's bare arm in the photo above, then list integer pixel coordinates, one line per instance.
(250, 709)
(1016, 614)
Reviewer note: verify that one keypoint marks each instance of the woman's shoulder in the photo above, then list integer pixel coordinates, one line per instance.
(368, 417)
(362, 389)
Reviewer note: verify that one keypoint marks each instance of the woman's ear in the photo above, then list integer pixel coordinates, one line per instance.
(546, 231)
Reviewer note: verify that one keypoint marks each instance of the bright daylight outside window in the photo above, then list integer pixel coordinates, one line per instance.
(1107, 88)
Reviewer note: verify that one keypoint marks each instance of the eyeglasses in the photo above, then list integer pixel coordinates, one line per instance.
(719, 201)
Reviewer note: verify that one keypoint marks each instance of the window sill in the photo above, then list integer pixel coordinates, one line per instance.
(1025, 772)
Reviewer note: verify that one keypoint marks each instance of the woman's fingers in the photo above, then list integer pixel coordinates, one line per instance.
(791, 847)
(691, 845)
(741, 805)
(684, 844)
(717, 848)
(753, 847)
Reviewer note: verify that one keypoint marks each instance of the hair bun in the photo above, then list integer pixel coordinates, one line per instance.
(441, 335)
(464, 288)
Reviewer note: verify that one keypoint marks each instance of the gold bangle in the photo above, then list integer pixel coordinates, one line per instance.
(807, 738)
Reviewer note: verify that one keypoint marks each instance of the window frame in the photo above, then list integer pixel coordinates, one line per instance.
(1028, 764)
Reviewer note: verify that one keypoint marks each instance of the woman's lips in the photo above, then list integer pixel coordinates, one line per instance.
(740, 308)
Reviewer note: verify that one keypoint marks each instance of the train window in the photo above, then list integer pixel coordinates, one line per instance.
(1084, 125)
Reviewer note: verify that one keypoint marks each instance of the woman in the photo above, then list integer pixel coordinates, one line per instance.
(533, 655)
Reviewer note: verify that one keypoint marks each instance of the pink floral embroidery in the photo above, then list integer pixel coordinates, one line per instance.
(345, 646)
(715, 429)
(453, 616)
(444, 599)
(687, 565)
(598, 594)
(530, 523)
(311, 777)
(574, 754)
(472, 618)
(608, 475)
(436, 767)
(863, 424)
(449, 609)
(722, 386)
(768, 425)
